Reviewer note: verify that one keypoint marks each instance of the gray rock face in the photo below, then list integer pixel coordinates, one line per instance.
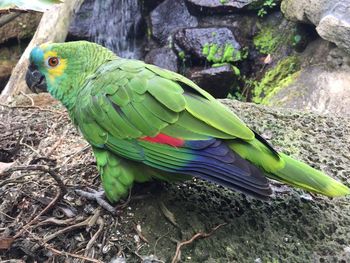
(218, 6)
(217, 81)
(164, 58)
(322, 86)
(331, 18)
(169, 17)
(206, 43)
(80, 27)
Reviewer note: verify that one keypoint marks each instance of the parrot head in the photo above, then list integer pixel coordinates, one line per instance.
(62, 68)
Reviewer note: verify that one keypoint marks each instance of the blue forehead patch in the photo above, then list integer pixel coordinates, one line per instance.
(37, 55)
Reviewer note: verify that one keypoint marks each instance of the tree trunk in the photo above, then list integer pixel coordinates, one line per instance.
(53, 27)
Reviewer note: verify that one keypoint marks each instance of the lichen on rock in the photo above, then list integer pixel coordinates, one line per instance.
(276, 79)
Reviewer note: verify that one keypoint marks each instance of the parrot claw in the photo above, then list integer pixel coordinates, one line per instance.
(99, 197)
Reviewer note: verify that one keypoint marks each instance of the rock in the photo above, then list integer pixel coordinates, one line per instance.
(243, 25)
(217, 45)
(169, 17)
(331, 18)
(163, 57)
(320, 83)
(218, 81)
(81, 24)
(209, 7)
(22, 27)
(149, 5)
(335, 26)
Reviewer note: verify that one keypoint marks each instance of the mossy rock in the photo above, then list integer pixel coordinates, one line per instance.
(276, 79)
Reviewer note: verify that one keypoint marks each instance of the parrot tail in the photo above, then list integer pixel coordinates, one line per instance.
(283, 168)
(301, 175)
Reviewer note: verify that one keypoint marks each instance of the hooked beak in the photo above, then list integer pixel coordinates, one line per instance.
(35, 80)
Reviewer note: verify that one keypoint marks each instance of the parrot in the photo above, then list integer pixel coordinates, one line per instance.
(147, 123)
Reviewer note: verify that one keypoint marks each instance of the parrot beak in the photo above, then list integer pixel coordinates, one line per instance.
(35, 80)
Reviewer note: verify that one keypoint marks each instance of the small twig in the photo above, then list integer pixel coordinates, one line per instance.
(83, 149)
(47, 208)
(62, 253)
(196, 236)
(28, 97)
(139, 233)
(87, 222)
(43, 168)
(59, 141)
(30, 147)
(30, 107)
(59, 252)
(91, 242)
(126, 203)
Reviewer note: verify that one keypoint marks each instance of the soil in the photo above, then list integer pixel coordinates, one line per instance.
(293, 226)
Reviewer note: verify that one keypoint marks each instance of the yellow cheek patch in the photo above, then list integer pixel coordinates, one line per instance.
(59, 69)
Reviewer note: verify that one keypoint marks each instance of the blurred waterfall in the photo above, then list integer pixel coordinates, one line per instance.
(114, 25)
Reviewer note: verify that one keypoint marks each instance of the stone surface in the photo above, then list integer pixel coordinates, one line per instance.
(331, 18)
(218, 81)
(209, 7)
(80, 27)
(163, 57)
(322, 84)
(209, 44)
(169, 17)
(22, 27)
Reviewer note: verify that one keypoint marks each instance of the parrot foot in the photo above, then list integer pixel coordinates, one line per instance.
(99, 197)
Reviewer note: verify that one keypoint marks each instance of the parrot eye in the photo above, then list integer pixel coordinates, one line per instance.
(53, 61)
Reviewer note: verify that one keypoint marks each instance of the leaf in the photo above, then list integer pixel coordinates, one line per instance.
(168, 215)
(24, 5)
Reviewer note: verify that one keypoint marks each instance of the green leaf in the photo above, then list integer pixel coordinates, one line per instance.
(34, 5)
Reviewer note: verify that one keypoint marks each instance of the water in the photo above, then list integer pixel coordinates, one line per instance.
(114, 25)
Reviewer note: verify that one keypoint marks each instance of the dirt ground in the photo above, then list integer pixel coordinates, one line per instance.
(39, 223)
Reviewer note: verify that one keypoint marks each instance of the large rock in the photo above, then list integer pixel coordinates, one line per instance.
(169, 17)
(209, 7)
(331, 18)
(216, 45)
(320, 83)
(80, 27)
(163, 57)
(218, 81)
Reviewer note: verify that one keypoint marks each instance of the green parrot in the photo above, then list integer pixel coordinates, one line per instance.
(147, 123)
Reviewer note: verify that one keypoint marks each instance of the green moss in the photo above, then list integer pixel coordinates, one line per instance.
(276, 79)
(182, 55)
(223, 1)
(222, 54)
(267, 40)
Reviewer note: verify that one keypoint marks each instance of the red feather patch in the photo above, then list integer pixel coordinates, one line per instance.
(165, 139)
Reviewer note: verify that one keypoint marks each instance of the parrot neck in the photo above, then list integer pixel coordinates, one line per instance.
(67, 92)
